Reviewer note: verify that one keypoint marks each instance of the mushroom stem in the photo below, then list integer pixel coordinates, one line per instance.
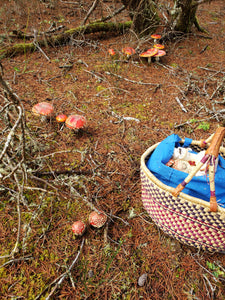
(149, 59)
(43, 119)
(61, 127)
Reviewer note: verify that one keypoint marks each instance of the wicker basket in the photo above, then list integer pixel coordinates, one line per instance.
(181, 216)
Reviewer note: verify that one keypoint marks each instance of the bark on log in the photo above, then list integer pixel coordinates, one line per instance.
(65, 37)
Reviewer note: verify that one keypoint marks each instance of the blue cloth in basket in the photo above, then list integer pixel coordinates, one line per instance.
(199, 185)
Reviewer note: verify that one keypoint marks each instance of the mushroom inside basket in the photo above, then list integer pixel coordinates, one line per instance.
(188, 205)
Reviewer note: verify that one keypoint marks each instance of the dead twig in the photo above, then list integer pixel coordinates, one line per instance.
(116, 12)
(206, 270)
(11, 133)
(181, 105)
(15, 260)
(62, 277)
(211, 70)
(211, 287)
(61, 172)
(37, 45)
(129, 80)
(93, 7)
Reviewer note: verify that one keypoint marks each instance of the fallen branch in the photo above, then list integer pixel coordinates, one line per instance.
(181, 105)
(93, 7)
(65, 37)
(129, 80)
(61, 172)
(59, 280)
(65, 274)
(15, 260)
(11, 133)
(116, 12)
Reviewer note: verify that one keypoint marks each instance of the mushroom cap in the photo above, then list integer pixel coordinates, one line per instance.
(43, 109)
(61, 118)
(159, 46)
(75, 122)
(111, 52)
(78, 228)
(128, 50)
(160, 53)
(156, 36)
(97, 219)
(149, 52)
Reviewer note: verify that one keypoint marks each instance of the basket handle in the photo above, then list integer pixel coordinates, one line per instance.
(210, 155)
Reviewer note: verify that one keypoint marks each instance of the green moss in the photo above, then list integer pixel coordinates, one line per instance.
(17, 49)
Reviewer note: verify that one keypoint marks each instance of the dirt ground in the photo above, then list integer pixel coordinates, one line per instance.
(129, 106)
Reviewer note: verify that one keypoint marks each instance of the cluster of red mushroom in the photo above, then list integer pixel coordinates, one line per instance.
(45, 110)
(156, 52)
(127, 51)
(96, 219)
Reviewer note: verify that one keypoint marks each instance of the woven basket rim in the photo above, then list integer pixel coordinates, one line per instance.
(170, 189)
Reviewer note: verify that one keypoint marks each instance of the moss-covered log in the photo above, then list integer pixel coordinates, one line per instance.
(65, 37)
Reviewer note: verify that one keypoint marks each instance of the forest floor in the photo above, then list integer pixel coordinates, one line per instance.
(129, 106)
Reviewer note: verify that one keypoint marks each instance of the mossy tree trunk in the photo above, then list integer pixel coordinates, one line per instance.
(184, 15)
(144, 15)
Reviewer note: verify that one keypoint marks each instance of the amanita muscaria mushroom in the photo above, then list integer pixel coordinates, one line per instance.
(159, 46)
(61, 118)
(43, 109)
(159, 54)
(75, 122)
(78, 228)
(156, 37)
(149, 53)
(111, 52)
(97, 219)
(128, 51)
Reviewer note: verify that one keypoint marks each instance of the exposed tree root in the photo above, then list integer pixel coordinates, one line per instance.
(199, 27)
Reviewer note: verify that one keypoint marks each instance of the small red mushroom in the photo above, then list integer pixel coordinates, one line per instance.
(43, 109)
(97, 219)
(159, 46)
(78, 228)
(61, 118)
(111, 52)
(159, 54)
(156, 37)
(75, 122)
(128, 51)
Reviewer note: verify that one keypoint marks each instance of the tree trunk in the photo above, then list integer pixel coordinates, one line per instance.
(144, 15)
(184, 15)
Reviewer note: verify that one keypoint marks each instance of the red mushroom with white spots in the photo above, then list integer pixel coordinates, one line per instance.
(76, 122)
(128, 51)
(149, 53)
(159, 46)
(156, 37)
(111, 52)
(44, 110)
(61, 118)
(97, 219)
(159, 54)
(78, 228)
